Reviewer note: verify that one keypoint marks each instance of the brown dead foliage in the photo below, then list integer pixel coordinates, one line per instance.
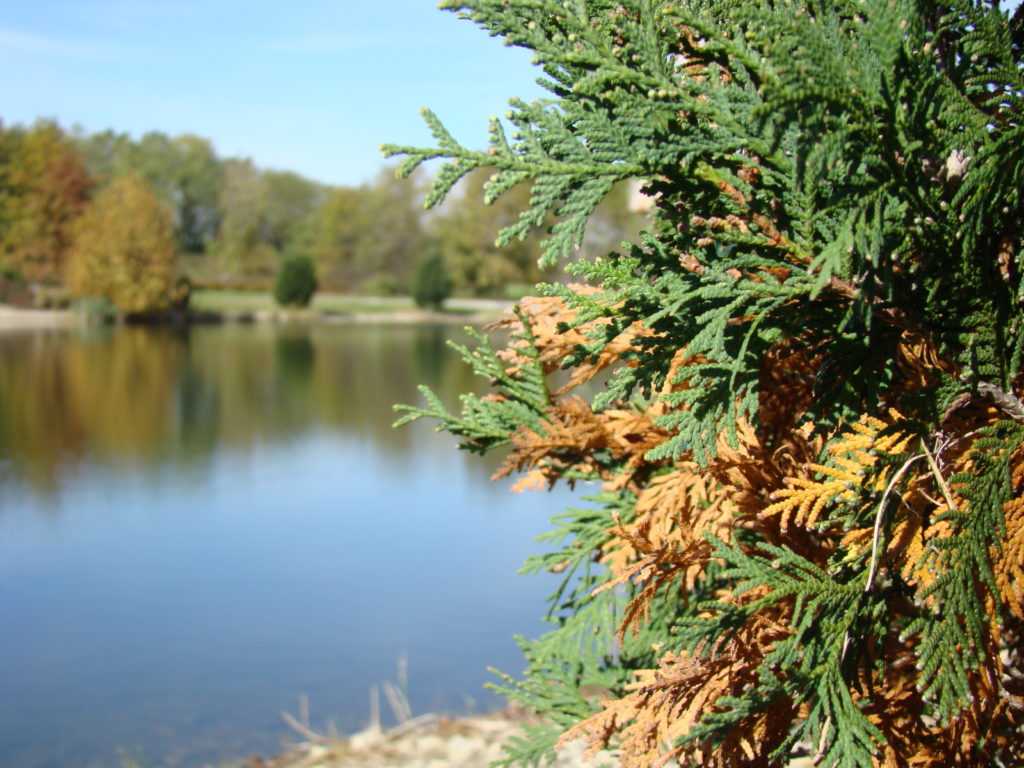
(556, 336)
(663, 705)
(779, 480)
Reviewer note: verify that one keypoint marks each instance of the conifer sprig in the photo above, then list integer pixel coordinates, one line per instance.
(805, 380)
(485, 423)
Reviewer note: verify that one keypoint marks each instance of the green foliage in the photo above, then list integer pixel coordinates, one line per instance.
(465, 230)
(621, 100)
(263, 217)
(834, 257)
(296, 282)
(571, 178)
(826, 612)
(234, 222)
(953, 622)
(432, 283)
(183, 171)
(486, 424)
(361, 235)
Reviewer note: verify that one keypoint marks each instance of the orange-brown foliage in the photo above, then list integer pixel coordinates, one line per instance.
(778, 480)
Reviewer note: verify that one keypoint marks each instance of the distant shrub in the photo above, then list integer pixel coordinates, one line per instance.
(432, 283)
(296, 282)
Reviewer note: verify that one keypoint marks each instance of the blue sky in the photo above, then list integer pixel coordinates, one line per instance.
(313, 86)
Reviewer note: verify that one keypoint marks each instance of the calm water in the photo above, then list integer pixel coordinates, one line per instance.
(198, 527)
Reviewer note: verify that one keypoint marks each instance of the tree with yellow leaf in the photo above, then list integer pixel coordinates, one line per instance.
(44, 187)
(124, 249)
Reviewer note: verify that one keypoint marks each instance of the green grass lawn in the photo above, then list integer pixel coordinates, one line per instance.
(239, 302)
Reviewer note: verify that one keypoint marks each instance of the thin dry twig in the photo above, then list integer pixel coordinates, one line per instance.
(877, 532)
(421, 721)
(303, 730)
(943, 486)
(870, 583)
(374, 708)
(398, 702)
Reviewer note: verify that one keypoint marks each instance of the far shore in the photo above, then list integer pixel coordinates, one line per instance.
(15, 319)
(214, 306)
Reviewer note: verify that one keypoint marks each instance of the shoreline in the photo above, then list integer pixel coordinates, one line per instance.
(13, 319)
(428, 741)
(433, 741)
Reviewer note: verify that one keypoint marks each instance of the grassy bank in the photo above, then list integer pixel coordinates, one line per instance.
(228, 302)
(335, 306)
(258, 306)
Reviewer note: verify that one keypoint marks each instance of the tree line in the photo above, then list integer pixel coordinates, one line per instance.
(131, 219)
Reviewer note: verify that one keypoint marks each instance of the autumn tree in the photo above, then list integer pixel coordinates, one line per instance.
(803, 429)
(104, 153)
(124, 249)
(289, 200)
(332, 235)
(368, 238)
(183, 171)
(240, 249)
(466, 229)
(45, 186)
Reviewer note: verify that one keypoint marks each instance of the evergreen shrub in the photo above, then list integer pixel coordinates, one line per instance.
(296, 282)
(432, 284)
(805, 530)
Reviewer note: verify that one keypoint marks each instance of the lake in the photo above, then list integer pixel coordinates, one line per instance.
(199, 526)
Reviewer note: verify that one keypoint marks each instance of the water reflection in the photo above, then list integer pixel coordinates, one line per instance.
(197, 527)
(142, 397)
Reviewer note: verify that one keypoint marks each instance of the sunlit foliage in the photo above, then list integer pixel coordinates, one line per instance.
(806, 450)
(184, 172)
(369, 238)
(44, 186)
(235, 223)
(124, 249)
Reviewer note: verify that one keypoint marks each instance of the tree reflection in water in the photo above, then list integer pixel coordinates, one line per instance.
(139, 398)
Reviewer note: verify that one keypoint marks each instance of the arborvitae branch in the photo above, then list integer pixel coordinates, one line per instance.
(806, 377)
